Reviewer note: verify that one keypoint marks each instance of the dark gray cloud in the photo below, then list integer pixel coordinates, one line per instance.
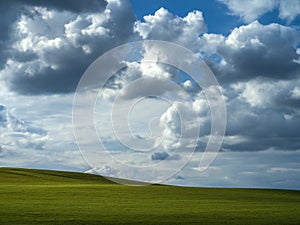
(164, 156)
(8, 16)
(260, 118)
(257, 50)
(47, 80)
(70, 5)
(47, 48)
(289, 102)
(159, 156)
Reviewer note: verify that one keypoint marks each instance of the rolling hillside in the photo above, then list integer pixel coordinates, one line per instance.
(56, 197)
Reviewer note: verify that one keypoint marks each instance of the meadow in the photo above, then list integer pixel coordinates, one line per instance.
(56, 197)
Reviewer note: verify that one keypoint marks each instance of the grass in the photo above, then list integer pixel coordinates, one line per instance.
(56, 197)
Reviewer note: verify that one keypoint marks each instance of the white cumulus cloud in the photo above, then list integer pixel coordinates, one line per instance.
(252, 10)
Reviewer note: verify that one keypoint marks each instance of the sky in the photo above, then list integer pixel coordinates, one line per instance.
(150, 120)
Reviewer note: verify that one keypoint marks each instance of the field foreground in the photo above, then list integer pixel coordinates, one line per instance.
(56, 197)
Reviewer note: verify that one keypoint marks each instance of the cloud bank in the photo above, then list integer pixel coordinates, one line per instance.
(46, 47)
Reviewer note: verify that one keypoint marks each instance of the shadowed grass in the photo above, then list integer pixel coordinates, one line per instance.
(56, 197)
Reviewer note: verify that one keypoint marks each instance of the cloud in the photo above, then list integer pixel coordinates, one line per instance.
(163, 25)
(265, 169)
(257, 50)
(279, 95)
(139, 80)
(258, 67)
(50, 48)
(164, 156)
(249, 51)
(17, 136)
(295, 93)
(263, 55)
(263, 115)
(38, 135)
(12, 10)
(289, 10)
(154, 79)
(159, 156)
(69, 5)
(182, 122)
(252, 10)
(256, 63)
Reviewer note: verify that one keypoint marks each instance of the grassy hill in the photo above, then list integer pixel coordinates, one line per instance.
(56, 197)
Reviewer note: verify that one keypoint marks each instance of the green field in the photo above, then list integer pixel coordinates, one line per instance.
(55, 197)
